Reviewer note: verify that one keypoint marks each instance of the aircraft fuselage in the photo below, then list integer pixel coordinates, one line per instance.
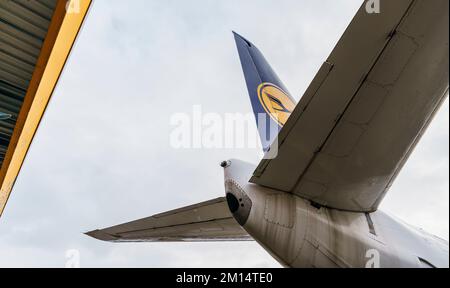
(299, 233)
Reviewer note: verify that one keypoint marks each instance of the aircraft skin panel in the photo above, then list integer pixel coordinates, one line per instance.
(299, 233)
(347, 140)
(60, 37)
(206, 221)
(340, 149)
(271, 102)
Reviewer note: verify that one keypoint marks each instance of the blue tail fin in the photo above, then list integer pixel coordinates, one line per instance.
(271, 102)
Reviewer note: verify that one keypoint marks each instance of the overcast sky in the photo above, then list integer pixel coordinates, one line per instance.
(102, 154)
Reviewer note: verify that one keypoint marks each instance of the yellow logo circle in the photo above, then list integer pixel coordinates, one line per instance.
(277, 103)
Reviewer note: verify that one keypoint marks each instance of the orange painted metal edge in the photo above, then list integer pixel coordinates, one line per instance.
(61, 35)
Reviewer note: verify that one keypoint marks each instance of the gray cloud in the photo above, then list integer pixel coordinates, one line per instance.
(102, 154)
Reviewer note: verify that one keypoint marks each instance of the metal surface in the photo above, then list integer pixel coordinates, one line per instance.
(342, 146)
(300, 234)
(206, 221)
(33, 52)
(271, 102)
(352, 132)
(23, 27)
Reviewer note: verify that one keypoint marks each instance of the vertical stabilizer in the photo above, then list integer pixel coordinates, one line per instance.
(271, 101)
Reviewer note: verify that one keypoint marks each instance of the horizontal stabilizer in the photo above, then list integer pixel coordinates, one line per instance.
(366, 109)
(206, 221)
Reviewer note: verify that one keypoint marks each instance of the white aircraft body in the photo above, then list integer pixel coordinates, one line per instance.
(337, 151)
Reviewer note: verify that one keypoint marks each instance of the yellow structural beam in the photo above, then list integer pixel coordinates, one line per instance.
(63, 30)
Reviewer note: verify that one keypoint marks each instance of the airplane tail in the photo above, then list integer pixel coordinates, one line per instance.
(271, 101)
(212, 220)
(207, 221)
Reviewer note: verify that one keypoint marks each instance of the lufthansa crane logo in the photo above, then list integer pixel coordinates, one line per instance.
(277, 103)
